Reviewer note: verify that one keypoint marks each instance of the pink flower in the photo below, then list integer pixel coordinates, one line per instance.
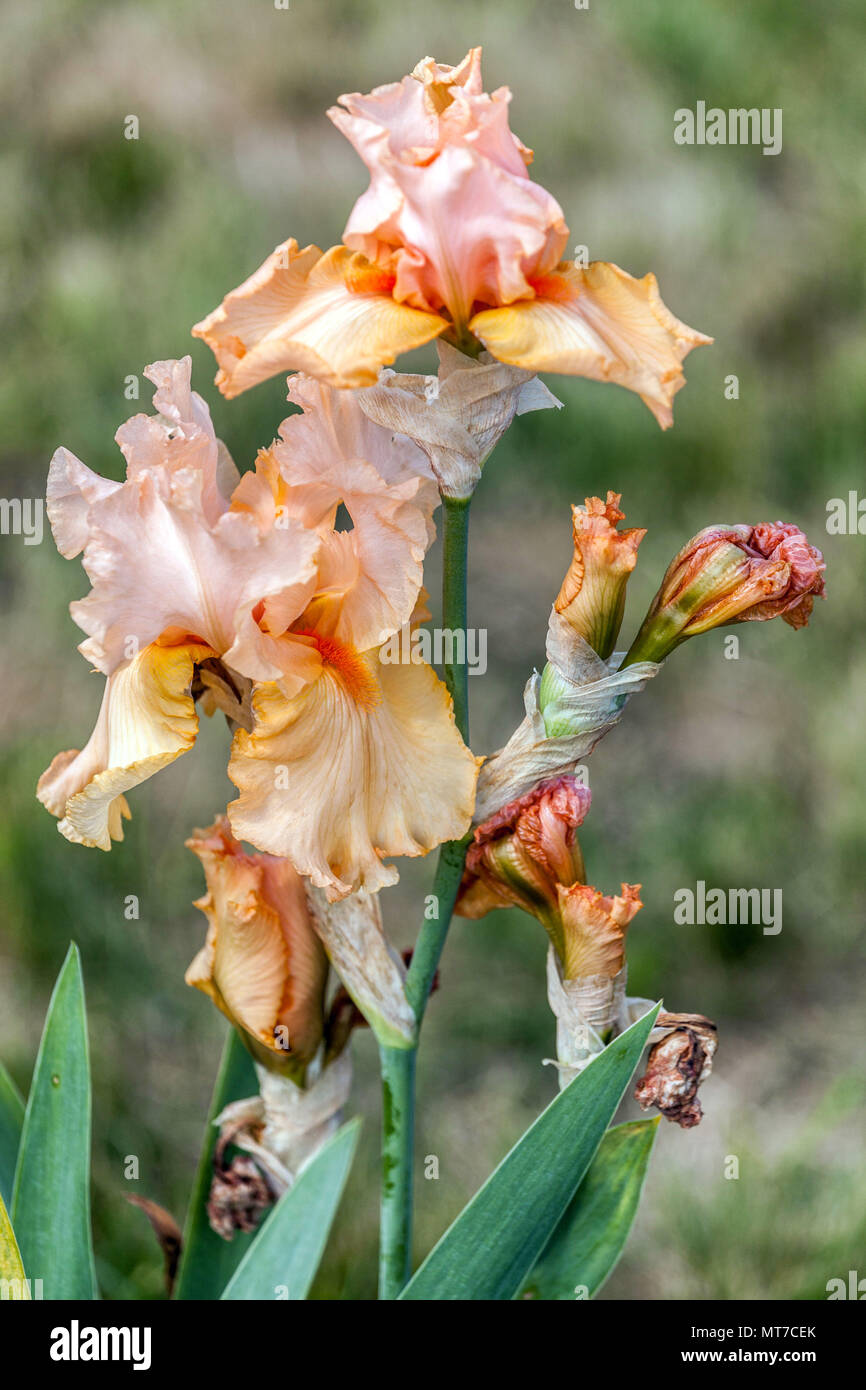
(451, 238)
(731, 574)
(244, 594)
(450, 205)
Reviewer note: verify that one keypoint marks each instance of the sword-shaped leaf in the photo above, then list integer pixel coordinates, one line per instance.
(496, 1240)
(282, 1261)
(592, 1234)
(51, 1201)
(11, 1120)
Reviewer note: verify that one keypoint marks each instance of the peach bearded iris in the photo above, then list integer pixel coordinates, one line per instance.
(244, 593)
(451, 238)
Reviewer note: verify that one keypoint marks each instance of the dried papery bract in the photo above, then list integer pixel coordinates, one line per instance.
(284, 1126)
(371, 970)
(576, 701)
(457, 417)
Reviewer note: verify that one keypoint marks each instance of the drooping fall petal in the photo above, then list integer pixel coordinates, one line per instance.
(597, 322)
(147, 719)
(262, 963)
(331, 315)
(363, 764)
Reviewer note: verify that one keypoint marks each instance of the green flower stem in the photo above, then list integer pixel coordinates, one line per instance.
(398, 1066)
(398, 1134)
(455, 550)
(449, 870)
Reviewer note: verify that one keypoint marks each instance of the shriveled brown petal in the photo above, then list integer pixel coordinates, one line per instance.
(167, 1232)
(676, 1067)
(239, 1194)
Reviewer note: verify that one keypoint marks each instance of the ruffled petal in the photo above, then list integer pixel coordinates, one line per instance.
(72, 490)
(449, 194)
(597, 322)
(365, 763)
(330, 315)
(179, 441)
(147, 719)
(594, 929)
(332, 453)
(156, 565)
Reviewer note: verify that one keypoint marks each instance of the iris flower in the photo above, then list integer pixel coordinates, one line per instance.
(242, 592)
(452, 239)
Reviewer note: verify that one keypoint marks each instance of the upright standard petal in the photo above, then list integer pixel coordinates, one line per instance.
(330, 315)
(597, 322)
(179, 440)
(72, 490)
(167, 555)
(363, 764)
(157, 566)
(369, 577)
(449, 194)
(147, 719)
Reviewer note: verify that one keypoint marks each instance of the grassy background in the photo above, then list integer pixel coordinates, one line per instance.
(742, 773)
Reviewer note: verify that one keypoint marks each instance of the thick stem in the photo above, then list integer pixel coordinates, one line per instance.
(398, 1067)
(398, 1132)
(431, 938)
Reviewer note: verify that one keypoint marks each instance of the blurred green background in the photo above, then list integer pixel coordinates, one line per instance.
(743, 772)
